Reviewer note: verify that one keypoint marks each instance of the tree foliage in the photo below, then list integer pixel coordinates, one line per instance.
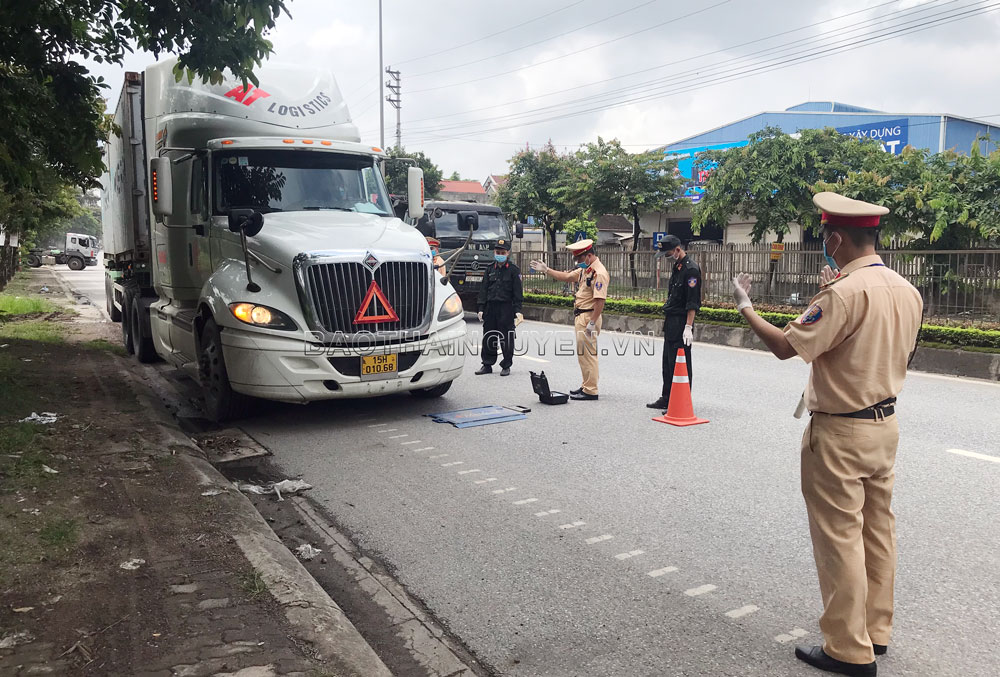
(531, 190)
(395, 173)
(582, 227)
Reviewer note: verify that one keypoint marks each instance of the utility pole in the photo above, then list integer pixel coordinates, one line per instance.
(381, 105)
(396, 101)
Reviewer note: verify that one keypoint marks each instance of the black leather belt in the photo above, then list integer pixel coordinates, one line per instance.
(876, 412)
(581, 311)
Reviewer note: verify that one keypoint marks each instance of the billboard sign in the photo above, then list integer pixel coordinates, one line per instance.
(892, 134)
(695, 178)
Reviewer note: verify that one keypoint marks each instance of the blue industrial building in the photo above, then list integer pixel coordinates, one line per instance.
(894, 131)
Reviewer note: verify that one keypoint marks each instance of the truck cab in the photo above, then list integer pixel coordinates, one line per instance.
(440, 221)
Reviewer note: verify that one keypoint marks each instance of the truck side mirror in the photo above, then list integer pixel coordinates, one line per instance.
(415, 191)
(468, 221)
(161, 186)
(248, 221)
(519, 230)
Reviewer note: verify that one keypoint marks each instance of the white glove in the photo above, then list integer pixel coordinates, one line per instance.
(741, 291)
(590, 330)
(539, 266)
(518, 319)
(480, 315)
(688, 334)
(827, 275)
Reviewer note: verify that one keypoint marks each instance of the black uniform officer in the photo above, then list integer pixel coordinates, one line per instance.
(683, 302)
(500, 300)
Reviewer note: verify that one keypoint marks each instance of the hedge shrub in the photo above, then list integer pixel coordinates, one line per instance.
(958, 337)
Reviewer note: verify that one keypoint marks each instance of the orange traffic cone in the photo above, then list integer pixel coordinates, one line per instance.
(680, 411)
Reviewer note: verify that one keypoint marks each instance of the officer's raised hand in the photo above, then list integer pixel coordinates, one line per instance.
(827, 275)
(480, 315)
(741, 291)
(688, 334)
(539, 266)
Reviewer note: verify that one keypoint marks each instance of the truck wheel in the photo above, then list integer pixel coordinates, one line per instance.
(142, 342)
(34, 261)
(109, 295)
(430, 393)
(127, 323)
(222, 403)
(75, 263)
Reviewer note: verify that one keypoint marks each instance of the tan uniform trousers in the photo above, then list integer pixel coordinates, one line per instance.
(847, 479)
(586, 351)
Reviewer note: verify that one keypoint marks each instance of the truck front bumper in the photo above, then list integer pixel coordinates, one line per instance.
(290, 370)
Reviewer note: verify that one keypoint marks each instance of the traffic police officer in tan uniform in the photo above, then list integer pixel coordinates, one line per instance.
(857, 334)
(591, 278)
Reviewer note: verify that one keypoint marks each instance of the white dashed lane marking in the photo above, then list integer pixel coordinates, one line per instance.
(390, 430)
(742, 611)
(700, 590)
(468, 472)
(488, 479)
(437, 456)
(396, 437)
(598, 539)
(572, 525)
(525, 500)
(630, 554)
(504, 491)
(973, 454)
(425, 449)
(656, 573)
(411, 442)
(792, 634)
(452, 463)
(546, 512)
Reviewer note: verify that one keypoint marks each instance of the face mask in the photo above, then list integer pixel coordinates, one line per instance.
(582, 264)
(829, 255)
(500, 258)
(434, 252)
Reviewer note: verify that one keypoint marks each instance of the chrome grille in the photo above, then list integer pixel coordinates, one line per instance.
(466, 264)
(337, 290)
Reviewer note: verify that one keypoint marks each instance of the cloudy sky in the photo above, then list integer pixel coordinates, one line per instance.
(481, 80)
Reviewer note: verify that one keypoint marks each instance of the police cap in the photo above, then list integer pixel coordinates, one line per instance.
(503, 244)
(580, 248)
(669, 243)
(847, 213)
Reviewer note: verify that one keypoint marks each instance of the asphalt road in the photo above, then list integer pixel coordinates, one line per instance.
(589, 540)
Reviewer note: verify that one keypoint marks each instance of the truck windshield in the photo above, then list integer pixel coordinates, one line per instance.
(298, 180)
(492, 226)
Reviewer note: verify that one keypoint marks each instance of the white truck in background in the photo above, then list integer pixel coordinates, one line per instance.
(249, 232)
(80, 251)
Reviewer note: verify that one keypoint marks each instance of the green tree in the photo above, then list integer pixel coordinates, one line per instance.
(455, 176)
(395, 173)
(582, 227)
(607, 179)
(530, 190)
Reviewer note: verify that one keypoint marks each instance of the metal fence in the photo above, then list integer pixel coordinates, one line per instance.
(961, 286)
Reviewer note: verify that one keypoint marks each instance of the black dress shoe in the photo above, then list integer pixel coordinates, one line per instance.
(576, 392)
(485, 369)
(505, 371)
(880, 649)
(580, 395)
(659, 404)
(816, 657)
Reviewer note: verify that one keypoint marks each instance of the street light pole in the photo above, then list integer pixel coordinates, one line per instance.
(381, 96)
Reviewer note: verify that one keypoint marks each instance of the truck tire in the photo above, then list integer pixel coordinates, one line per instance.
(126, 322)
(142, 341)
(109, 295)
(34, 261)
(76, 263)
(432, 392)
(222, 403)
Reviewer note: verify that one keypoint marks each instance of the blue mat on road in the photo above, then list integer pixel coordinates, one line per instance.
(476, 416)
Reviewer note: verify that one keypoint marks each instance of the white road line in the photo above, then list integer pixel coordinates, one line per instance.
(468, 472)
(792, 634)
(425, 449)
(396, 437)
(448, 465)
(546, 512)
(488, 479)
(598, 539)
(700, 590)
(525, 500)
(630, 554)
(437, 456)
(376, 425)
(504, 491)
(742, 611)
(798, 632)
(533, 359)
(572, 525)
(411, 442)
(656, 573)
(389, 430)
(973, 454)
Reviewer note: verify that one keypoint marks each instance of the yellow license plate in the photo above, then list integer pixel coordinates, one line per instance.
(378, 366)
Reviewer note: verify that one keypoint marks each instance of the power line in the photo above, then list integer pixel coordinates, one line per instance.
(693, 83)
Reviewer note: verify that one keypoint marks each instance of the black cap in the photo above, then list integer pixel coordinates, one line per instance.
(503, 244)
(669, 243)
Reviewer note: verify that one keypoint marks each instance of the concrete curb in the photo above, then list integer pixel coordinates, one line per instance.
(933, 360)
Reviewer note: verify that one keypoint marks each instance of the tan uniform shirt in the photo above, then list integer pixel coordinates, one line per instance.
(857, 333)
(592, 284)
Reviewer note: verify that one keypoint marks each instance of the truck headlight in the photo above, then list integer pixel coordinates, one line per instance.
(261, 316)
(450, 308)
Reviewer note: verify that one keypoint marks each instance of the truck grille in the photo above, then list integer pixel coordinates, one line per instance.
(467, 264)
(337, 291)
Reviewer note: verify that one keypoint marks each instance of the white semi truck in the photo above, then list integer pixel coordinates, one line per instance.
(80, 252)
(247, 231)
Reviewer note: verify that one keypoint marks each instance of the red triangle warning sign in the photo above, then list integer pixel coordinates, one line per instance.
(388, 314)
